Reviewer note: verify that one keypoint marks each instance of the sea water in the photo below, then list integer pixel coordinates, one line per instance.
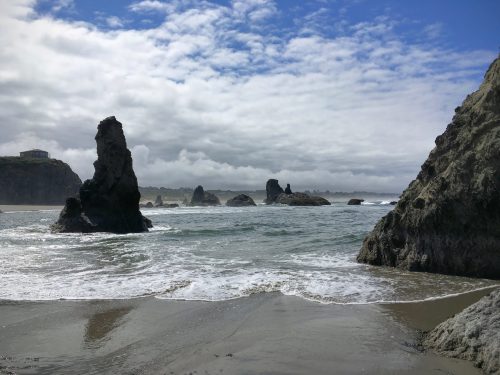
(212, 253)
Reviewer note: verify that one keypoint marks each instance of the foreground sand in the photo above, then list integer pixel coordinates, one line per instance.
(262, 334)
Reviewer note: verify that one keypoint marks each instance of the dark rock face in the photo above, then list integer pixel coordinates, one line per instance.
(158, 201)
(301, 199)
(275, 194)
(36, 181)
(355, 202)
(203, 198)
(448, 219)
(473, 334)
(109, 202)
(273, 189)
(146, 205)
(393, 203)
(240, 201)
(288, 190)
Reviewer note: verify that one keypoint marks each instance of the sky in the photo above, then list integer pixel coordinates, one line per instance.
(344, 95)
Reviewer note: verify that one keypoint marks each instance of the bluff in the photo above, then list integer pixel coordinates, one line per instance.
(448, 219)
(109, 202)
(36, 181)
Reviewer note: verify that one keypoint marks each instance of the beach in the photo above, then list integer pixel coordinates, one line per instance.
(265, 333)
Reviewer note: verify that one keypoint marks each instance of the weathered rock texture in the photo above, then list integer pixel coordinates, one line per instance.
(273, 190)
(473, 334)
(355, 202)
(204, 198)
(240, 201)
(158, 201)
(275, 194)
(109, 202)
(448, 219)
(36, 181)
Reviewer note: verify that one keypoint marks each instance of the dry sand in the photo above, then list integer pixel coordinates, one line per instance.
(262, 334)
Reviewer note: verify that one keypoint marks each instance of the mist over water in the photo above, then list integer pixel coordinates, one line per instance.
(212, 254)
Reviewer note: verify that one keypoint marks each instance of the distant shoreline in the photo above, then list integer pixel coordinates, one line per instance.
(6, 208)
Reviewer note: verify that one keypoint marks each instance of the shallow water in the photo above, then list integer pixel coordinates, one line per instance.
(212, 254)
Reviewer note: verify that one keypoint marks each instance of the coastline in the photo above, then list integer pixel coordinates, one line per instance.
(6, 208)
(263, 333)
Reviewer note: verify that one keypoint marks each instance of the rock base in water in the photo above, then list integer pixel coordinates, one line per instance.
(241, 200)
(355, 202)
(473, 334)
(109, 202)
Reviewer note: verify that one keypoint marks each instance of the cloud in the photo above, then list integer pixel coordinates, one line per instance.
(214, 95)
(114, 22)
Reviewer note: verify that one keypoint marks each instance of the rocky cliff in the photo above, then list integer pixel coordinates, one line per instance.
(36, 181)
(473, 334)
(109, 202)
(448, 219)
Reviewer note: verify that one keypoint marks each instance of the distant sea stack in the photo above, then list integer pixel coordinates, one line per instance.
(473, 334)
(109, 202)
(448, 219)
(204, 198)
(241, 200)
(275, 194)
(355, 202)
(30, 180)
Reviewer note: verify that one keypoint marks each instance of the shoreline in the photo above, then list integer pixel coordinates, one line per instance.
(9, 208)
(262, 333)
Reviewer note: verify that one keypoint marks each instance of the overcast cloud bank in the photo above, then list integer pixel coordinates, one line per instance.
(217, 95)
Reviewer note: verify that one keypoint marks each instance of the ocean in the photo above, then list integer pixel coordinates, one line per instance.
(212, 254)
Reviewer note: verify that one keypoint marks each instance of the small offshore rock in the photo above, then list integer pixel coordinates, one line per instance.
(204, 198)
(158, 201)
(240, 201)
(288, 190)
(355, 202)
(473, 334)
(301, 199)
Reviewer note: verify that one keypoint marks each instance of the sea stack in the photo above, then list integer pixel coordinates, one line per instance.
(275, 194)
(241, 200)
(109, 202)
(204, 198)
(448, 219)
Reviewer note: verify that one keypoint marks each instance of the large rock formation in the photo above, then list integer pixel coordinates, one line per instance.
(448, 219)
(36, 181)
(473, 334)
(273, 190)
(241, 200)
(203, 198)
(158, 201)
(275, 194)
(109, 202)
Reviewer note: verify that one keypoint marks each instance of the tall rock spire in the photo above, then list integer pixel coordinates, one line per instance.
(109, 202)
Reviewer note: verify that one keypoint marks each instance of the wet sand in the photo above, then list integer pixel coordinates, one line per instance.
(266, 333)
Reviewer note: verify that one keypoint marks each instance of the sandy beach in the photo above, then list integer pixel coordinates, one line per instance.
(266, 333)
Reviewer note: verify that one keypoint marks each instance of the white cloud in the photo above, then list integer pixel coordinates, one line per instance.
(357, 111)
(114, 22)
